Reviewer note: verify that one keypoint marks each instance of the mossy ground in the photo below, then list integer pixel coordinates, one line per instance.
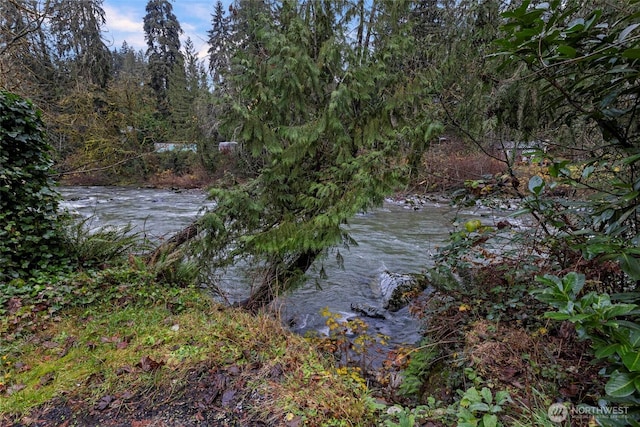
(143, 352)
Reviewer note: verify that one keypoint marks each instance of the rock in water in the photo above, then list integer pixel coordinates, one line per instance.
(368, 310)
(397, 290)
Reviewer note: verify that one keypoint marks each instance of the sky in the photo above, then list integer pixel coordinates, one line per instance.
(124, 22)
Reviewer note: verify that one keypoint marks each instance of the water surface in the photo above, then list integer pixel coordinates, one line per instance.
(395, 237)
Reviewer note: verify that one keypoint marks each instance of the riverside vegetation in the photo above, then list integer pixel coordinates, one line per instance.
(102, 329)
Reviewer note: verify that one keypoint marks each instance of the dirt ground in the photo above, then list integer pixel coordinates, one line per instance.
(209, 398)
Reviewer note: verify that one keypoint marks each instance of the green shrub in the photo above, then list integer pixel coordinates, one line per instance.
(611, 323)
(30, 232)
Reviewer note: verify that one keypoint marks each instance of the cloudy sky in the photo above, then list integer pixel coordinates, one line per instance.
(124, 22)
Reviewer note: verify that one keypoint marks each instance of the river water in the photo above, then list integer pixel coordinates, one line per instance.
(396, 237)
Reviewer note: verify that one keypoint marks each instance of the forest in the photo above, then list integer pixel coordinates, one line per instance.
(303, 114)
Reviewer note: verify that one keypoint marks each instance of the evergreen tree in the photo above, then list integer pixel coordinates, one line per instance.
(162, 33)
(317, 114)
(220, 43)
(181, 97)
(193, 69)
(76, 29)
(25, 54)
(129, 64)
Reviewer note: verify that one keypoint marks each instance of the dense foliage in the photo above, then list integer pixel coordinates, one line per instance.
(334, 104)
(30, 232)
(323, 119)
(588, 63)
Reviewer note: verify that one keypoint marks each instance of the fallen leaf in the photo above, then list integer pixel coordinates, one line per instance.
(14, 304)
(233, 370)
(227, 397)
(104, 402)
(14, 389)
(114, 338)
(122, 345)
(147, 364)
(46, 379)
(276, 371)
(21, 367)
(294, 422)
(39, 307)
(570, 391)
(50, 344)
(68, 343)
(508, 373)
(566, 330)
(124, 370)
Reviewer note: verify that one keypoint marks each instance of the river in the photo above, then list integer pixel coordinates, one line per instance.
(396, 237)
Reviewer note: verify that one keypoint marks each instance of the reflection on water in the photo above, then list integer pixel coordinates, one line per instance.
(393, 237)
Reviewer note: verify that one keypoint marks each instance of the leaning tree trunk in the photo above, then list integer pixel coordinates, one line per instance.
(173, 243)
(278, 278)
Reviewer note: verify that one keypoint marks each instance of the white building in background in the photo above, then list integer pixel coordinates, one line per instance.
(163, 147)
(523, 151)
(227, 146)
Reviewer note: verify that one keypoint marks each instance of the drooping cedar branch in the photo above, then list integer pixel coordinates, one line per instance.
(278, 277)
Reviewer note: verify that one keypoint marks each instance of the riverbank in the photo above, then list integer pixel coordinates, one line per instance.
(484, 339)
(116, 348)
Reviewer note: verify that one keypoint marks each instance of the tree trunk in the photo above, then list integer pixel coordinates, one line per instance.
(173, 243)
(278, 278)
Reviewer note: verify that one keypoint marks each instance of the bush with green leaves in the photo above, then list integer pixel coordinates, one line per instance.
(479, 407)
(610, 322)
(586, 59)
(30, 230)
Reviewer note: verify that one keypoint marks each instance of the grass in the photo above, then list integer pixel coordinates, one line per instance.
(139, 336)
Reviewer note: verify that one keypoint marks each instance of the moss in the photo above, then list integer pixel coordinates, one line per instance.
(100, 355)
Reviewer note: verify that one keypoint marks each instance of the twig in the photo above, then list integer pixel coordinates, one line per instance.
(104, 167)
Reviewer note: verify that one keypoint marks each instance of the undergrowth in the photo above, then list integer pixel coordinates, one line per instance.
(106, 338)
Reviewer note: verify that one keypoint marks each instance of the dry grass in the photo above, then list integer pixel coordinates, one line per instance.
(528, 362)
(449, 164)
(196, 178)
